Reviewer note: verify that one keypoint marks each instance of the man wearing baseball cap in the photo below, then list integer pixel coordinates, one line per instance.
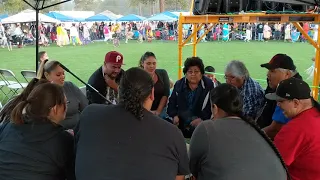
(280, 67)
(299, 140)
(106, 79)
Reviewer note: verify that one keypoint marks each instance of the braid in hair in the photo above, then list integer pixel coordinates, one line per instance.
(269, 141)
(228, 98)
(131, 101)
(135, 87)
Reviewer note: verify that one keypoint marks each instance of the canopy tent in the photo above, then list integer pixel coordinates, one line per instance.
(170, 14)
(2, 16)
(28, 16)
(161, 17)
(100, 17)
(60, 17)
(131, 17)
(110, 14)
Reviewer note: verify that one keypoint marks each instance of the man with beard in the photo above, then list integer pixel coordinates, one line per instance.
(106, 79)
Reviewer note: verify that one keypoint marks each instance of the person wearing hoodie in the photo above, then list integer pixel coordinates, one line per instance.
(33, 144)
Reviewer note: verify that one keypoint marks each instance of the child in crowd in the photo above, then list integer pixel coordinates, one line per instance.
(210, 73)
(116, 41)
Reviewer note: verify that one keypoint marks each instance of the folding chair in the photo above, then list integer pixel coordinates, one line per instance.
(3, 84)
(14, 86)
(27, 74)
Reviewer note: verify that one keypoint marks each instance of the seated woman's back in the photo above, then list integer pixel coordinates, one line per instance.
(232, 147)
(33, 145)
(29, 149)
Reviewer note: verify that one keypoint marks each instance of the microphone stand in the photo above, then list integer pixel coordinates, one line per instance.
(87, 85)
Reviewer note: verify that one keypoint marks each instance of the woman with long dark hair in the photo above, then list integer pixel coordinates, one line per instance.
(127, 141)
(231, 146)
(53, 72)
(33, 145)
(7, 109)
(161, 81)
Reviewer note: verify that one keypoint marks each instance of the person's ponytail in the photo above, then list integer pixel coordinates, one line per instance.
(253, 124)
(135, 87)
(16, 114)
(40, 74)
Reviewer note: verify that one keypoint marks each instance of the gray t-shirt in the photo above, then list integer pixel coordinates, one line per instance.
(112, 144)
(231, 149)
(77, 101)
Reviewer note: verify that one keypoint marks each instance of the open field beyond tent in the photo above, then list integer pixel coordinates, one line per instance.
(84, 60)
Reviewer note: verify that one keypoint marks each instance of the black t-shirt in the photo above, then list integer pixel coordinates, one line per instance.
(158, 94)
(101, 27)
(260, 28)
(112, 144)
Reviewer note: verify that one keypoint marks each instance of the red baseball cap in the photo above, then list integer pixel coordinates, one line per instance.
(114, 57)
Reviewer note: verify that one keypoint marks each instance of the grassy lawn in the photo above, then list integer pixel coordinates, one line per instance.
(84, 60)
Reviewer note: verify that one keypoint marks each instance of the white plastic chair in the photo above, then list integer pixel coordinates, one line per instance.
(27, 74)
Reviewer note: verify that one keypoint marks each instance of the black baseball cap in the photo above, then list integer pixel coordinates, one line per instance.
(280, 61)
(289, 89)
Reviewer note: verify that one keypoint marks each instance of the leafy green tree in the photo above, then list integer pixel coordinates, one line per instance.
(12, 6)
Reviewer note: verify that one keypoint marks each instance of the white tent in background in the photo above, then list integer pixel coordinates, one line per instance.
(28, 16)
(161, 17)
(111, 14)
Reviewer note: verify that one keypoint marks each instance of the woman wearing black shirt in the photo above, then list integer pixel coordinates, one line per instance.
(161, 82)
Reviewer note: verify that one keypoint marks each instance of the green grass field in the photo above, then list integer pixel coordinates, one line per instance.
(84, 60)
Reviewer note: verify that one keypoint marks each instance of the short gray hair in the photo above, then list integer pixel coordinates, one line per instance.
(292, 72)
(237, 69)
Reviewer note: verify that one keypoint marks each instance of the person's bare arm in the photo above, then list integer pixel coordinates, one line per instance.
(179, 177)
(273, 129)
(162, 104)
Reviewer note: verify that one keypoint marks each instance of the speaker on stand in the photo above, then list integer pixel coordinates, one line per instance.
(200, 7)
(214, 6)
(231, 6)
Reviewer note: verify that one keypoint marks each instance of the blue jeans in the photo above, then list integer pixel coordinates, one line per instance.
(260, 36)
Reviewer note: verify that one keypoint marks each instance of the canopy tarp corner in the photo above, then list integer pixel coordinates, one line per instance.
(131, 17)
(161, 17)
(60, 17)
(100, 17)
(2, 16)
(28, 16)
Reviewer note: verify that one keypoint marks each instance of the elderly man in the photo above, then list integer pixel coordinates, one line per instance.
(280, 67)
(299, 140)
(106, 79)
(237, 75)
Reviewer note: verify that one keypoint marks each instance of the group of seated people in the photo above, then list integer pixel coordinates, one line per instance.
(118, 130)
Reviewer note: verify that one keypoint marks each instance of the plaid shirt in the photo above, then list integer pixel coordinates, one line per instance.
(253, 98)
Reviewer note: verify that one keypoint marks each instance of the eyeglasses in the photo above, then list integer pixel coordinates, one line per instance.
(193, 72)
(229, 77)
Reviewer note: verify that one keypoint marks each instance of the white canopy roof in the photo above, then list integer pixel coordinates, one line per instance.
(28, 16)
